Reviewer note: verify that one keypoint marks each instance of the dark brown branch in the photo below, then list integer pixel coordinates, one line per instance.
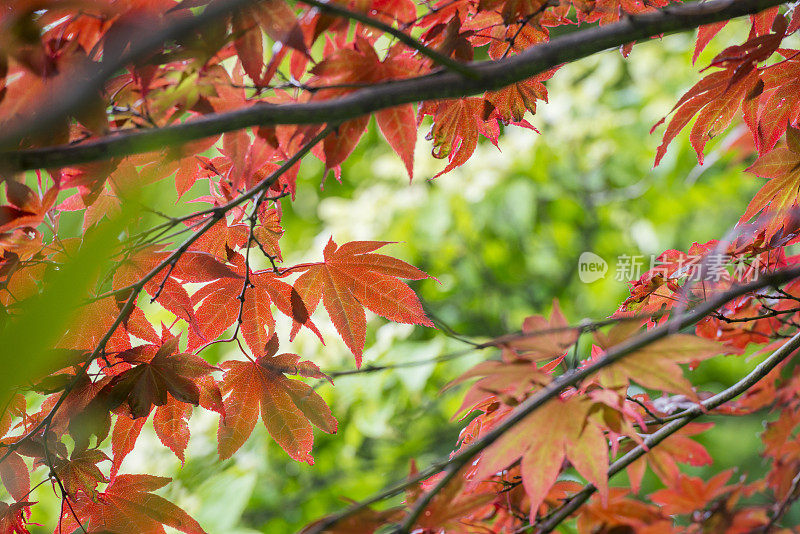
(552, 390)
(770, 313)
(664, 432)
(492, 75)
(367, 369)
(647, 410)
(781, 507)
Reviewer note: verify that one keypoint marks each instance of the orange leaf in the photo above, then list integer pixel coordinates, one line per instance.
(123, 438)
(127, 506)
(13, 517)
(80, 472)
(688, 494)
(656, 365)
(556, 431)
(351, 278)
(780, 193)
(171, 423)
(288, 407)
(399, 128)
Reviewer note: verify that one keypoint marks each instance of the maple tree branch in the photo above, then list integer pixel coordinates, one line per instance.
(368, 369)
(552, 390)
(34, 488)
(781, 507)
(451, 64)
(770, 313)
(582, 327)
(247, 284)
(751, 379)
(656, 419)
(217, 215)
(492, 75)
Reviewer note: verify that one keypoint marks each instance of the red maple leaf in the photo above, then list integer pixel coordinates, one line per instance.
(166, 287)
(560, 429)
(361, 65)
(155, 372)
(127, 506)
(288, 407)
(25, 207)
(13, 517)
(457, 124)
(687, 494)
(218, 307)
(664, 459)
(779, 195)
(716, 98)
(79, 472)
(622, 514)
(780, 101)
(15, 477)
(352, 278)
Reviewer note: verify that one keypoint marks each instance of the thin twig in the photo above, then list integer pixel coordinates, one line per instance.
(782, 507)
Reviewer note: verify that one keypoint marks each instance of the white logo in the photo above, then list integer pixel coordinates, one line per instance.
(591, 267)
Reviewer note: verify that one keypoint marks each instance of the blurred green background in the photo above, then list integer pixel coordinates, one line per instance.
(502, 235)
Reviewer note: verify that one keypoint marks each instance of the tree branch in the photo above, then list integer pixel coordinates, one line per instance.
(492, 75)
(664, 432)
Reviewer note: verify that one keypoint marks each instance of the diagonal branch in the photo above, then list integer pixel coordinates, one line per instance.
(664, 432)
(492, 75)
(552, 390)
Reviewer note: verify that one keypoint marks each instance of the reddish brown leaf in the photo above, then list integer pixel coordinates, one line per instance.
(13, 517)
(351, 278)
(656, 365)
(545, 338)
(153, 376)
(688, 494)
(288, 407)
(127, 506)
(80, 472)
(399, 127)
(339, 144)
(171, 423)
(15, 477)
(123, 438)
(779, 195)
(542, 440)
